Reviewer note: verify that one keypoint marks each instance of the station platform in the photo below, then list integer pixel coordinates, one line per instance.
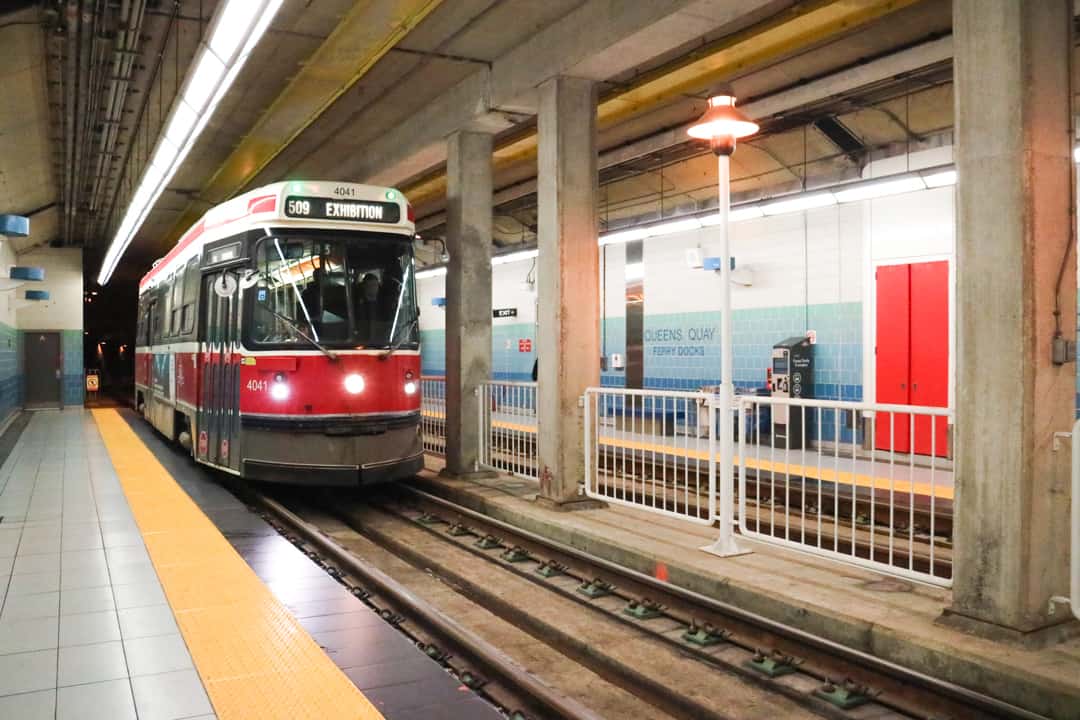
(134, 586)
(891, 618)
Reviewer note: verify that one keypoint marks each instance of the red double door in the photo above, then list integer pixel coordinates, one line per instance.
(913, 355)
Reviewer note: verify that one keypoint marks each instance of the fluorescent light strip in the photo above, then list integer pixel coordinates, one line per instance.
(802, 201)
(880, 188)
(515, 257)
(430, 272)
(940, 178)
(234, 32)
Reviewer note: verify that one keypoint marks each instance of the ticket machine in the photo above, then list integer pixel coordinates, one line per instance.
(792, 377)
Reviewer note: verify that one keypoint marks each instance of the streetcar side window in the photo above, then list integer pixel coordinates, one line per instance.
(190, 284)
(140, 325)
(155, 322)
(177, 293)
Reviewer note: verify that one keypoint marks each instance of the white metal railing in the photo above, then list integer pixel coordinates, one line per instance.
(1073, 601)
(647, 449)
(433, 413)
(859, 482)
(1074, 546)
(508, 427)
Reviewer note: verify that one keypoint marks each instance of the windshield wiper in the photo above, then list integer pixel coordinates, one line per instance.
(397, 345)
(299, 331)
(293, 324)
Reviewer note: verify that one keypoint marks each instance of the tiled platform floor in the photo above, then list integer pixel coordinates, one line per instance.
(85, 630)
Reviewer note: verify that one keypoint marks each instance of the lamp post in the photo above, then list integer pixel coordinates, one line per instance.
(723, 125)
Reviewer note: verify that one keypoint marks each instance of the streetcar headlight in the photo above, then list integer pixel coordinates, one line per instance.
(354, 383)
(410, 388)
(279, 389)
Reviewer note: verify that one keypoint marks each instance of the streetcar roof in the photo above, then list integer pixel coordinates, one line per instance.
(295, 203)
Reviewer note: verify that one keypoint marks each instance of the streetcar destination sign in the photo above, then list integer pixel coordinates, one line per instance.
(350, 210)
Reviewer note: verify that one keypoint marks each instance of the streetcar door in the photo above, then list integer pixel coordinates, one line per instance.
(219, 393)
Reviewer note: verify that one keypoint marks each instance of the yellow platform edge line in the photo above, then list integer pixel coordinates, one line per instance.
(896, 484)
(254, 658)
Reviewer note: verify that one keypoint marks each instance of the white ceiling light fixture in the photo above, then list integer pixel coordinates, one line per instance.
(940, 178)
(624, 236)
(802, 201)
(430, 273)
(515, 257)
(674, 226)
(879, 188)
(234, 32)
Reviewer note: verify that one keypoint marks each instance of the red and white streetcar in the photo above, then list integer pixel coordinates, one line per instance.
(278, 340)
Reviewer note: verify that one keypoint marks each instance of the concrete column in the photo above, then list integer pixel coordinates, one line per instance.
(1016, 263)
(568, 347)
(468, 294)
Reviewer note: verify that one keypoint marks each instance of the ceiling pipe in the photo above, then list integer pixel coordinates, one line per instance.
(71, 23)
(124, 54)
(106, 220)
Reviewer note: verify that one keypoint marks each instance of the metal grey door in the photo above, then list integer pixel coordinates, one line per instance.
(43, 366)
(219, 416)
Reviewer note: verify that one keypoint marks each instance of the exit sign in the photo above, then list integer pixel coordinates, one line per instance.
(504, 312)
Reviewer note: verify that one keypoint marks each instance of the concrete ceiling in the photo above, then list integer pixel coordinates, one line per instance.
(27, 185)
(377, 104)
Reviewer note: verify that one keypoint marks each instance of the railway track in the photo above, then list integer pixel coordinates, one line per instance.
(672, 652)
(792, 663)
(478, 665)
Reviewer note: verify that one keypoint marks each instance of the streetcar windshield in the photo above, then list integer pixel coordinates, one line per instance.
(341, 291)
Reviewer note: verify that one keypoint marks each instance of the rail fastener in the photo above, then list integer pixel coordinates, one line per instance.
(489, 542)
(773, 664)
(429, 519)
(550, 569)
(595, 588)
(845, 695)
(644, 609)
(459, 530)
(472, 681)
(435, 653)
(516, 554)
(704, 634)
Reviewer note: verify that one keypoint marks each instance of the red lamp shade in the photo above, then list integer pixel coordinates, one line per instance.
(722, 124)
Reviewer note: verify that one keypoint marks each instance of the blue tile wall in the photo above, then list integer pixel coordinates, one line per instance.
(71, 344)
(433, 352)
(682, 350)
(613, 334)
(507, 360)
(11, 385)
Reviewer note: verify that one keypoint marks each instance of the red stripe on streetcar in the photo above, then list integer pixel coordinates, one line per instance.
(266, 203)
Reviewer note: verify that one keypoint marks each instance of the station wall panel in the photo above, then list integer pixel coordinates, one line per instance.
(63, 311)
(810, 270)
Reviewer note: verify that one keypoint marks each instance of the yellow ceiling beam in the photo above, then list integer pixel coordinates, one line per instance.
(363, 36)
(802, 26)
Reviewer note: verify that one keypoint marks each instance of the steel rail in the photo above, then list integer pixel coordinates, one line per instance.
(484, 653)
(970, 697)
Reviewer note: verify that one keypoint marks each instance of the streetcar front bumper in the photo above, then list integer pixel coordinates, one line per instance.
(334, 452)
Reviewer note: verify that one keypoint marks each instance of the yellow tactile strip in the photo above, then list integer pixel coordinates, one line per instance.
(254, 658)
